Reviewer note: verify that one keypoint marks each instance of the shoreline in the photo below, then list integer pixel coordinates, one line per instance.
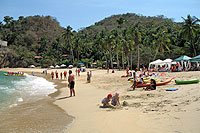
(147, 111)
(44, 106)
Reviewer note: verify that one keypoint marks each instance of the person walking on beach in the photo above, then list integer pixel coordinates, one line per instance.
(134, 80)
(56, 74)
(65, 74)
(52, 75)
(76, 71)
(71, 83)
(88, 77)
(79, 70)
(61, 75)
(108, 70)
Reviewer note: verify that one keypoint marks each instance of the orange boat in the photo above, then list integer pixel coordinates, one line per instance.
(157, 84)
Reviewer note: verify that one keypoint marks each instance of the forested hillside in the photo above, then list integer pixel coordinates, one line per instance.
(127, 39)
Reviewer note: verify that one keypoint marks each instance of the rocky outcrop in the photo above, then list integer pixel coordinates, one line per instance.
(9, 58)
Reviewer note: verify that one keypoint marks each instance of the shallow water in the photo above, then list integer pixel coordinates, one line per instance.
(14, 89)
(26, 107)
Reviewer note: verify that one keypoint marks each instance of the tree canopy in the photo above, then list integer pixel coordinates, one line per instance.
(128, 39)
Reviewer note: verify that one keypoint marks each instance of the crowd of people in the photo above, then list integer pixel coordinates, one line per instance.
(63, 75)
(176, 68)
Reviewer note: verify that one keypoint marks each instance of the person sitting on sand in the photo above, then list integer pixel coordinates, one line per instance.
(141, 79)
(115, 99)
(127, 71)
(152, 85)
(113, 71)
(106, 100)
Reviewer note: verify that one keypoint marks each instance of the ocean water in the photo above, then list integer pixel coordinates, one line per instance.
(14, 90)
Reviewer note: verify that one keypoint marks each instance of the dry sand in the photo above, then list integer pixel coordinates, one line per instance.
(147, 111)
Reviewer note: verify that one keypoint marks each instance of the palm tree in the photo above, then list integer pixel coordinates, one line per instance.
(137, 38)
(103, 45)
(161, 41)
(67, 35)
(190, 30)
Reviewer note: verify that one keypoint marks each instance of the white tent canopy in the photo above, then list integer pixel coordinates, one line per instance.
(156, 62)
(166, 62)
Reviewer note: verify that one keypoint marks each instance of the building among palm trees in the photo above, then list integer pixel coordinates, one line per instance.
(3, 44)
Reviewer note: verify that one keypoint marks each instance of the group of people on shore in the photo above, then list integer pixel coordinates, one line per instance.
(141, 77)
(176, 68)
(113, 99)
(61, 75)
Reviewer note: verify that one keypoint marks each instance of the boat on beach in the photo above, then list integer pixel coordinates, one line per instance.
(162, 82)
(19, 75)
(193, 81)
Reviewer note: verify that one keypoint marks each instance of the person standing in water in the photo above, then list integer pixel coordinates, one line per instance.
(71, 83)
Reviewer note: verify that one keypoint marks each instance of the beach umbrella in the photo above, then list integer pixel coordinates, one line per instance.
(183, 58)
(63, 65)
(196, 58)
(57, 66)
(70, 66)
(80, 63)
(51, 66)
(32, 66)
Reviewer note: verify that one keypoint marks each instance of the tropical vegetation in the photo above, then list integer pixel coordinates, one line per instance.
(118, 41)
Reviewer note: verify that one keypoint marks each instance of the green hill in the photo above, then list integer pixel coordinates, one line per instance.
(128, 39)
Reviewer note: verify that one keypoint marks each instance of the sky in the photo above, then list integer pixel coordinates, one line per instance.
(83, 13)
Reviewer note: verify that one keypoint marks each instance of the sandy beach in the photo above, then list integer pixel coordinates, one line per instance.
(147, 111)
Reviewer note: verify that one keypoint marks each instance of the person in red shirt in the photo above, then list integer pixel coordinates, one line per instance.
(56, 75)
(65, 74)
(79, 72)
(127, 71)
(52, 75)
(108, 70)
